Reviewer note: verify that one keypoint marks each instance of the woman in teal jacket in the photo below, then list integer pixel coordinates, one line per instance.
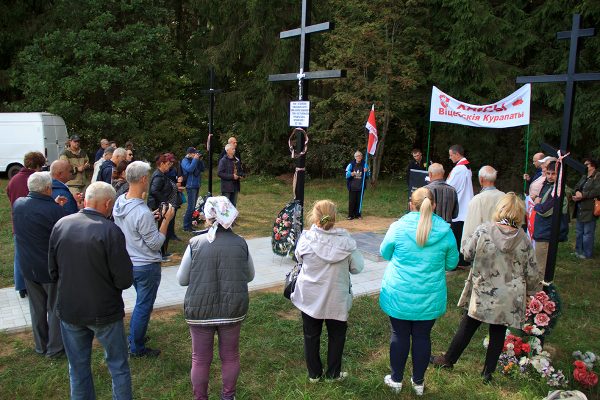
(421, 248)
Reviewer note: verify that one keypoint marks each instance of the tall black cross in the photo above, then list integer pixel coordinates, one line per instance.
(570, 78)
(302, 77)
(210, 141)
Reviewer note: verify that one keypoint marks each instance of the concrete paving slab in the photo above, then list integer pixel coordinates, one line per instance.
(270, 272)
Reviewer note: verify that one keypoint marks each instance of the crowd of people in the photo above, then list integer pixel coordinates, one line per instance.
(81, 240)
(85, 244)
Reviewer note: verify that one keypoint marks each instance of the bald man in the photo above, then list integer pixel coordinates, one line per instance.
(444, 195)
(538, 168)
(61, 173)
(482, 206)
(232, 141)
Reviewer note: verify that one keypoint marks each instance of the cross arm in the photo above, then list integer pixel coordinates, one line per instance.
(325, 26)
(592, 76)
(334, 73)
(571, 162)
(581, 33)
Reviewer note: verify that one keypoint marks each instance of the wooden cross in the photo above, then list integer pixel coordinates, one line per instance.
(302, 77)
(570, 78)
(210, 142)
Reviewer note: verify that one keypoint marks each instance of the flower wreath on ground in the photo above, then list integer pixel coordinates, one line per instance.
(286, 229)
(584, 373)
(524, 354)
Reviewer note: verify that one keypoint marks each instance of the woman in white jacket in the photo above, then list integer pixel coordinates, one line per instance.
(323, 290)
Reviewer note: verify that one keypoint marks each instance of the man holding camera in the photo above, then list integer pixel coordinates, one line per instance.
(143, 241)
(191, 167)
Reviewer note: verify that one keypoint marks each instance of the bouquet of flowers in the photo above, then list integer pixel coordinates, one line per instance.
(197, 219)
(542, 312)
(583, 372)
(525, 355)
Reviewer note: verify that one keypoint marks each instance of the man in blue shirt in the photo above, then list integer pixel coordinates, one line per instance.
(191, 167)
(61, 174)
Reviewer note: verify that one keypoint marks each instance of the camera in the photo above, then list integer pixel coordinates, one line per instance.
(162, 209)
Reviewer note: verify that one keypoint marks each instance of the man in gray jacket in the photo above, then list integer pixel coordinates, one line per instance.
(143, 240)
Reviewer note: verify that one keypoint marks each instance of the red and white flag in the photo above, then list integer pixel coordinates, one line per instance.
(372, 127)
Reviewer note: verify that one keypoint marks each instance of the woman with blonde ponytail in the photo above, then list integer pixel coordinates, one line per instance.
(421, 248)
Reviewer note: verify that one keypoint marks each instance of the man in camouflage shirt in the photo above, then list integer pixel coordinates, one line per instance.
(79, 162)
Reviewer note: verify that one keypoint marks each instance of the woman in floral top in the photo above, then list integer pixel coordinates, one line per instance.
(503, 274)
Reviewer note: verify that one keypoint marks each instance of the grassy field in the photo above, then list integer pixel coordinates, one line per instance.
(271, 344)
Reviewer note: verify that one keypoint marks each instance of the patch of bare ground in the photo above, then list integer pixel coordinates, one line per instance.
(367, 224)
(273, 289)
(286, 178)
(165, 314)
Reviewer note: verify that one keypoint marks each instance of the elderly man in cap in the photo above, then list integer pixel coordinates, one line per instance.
(191, 168)
(34, 217)
(89, 261)
(79, 162)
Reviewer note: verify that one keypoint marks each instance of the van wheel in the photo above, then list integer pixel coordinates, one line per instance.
(12, 170)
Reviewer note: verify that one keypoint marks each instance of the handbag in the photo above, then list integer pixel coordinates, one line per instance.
(290, 280)
(596, 207)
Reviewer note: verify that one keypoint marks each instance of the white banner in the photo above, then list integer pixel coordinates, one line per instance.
(510, 111)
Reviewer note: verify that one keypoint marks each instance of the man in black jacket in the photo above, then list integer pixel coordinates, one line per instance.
(89, 260)
(230, 171)
(34, 217)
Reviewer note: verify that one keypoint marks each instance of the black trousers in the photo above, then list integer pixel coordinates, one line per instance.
(467, 328)
(336, 332)
(457, 229)
(354, 204)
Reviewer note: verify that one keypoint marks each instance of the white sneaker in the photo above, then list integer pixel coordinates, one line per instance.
(314, 380)
(395, 386)
(418, 388)
(343, 375)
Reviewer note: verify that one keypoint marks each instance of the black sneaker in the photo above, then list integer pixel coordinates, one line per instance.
(147, 352)
(349, 218)
(23, 293)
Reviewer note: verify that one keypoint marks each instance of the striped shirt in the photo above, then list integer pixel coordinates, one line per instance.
(445, 198)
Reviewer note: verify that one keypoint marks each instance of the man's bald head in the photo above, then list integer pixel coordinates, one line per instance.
(233, 141)
(536, 159)
(436, 171)
(61, 171)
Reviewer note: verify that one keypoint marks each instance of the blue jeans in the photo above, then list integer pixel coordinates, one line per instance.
(146, 279)
(192, 196)
(78, 346)
(402, 333)
(18, 276)
(584, 238)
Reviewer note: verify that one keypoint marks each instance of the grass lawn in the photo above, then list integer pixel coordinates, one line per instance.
(271, 344)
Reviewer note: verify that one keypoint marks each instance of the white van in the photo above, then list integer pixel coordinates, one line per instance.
(21, 133)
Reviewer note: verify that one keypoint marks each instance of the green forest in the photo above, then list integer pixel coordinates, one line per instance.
(135, 69)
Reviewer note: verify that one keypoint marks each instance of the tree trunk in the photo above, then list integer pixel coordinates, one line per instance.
(386, 108)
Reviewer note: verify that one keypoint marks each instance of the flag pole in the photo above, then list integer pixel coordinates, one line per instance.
(362, 186)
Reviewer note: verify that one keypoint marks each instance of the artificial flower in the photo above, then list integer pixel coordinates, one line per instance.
(535, 306)
(549, 307)
(541, 296)
(542, 319)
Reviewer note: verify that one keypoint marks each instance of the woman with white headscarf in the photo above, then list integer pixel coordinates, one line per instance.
(216, 267)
